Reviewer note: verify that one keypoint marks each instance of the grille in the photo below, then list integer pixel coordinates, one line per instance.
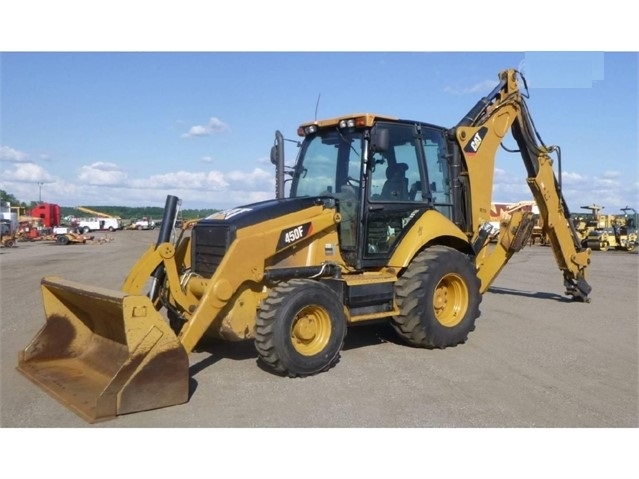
(209, 245)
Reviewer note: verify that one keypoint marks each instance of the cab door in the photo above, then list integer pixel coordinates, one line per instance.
(409, 177)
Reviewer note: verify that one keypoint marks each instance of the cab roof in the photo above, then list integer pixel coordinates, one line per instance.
(365, 120)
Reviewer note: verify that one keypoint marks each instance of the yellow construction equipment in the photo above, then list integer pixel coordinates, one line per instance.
(603, 232)
(384, 219)
(7, 233)
(99, 214)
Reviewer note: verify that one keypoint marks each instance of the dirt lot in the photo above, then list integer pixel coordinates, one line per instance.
(536, 359)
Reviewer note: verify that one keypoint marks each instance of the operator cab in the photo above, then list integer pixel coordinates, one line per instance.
(381, 173)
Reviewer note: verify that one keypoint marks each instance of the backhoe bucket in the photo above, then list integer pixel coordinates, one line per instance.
(104, 353)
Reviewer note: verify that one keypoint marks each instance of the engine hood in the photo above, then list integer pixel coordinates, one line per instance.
(212, 236)
(256, 213)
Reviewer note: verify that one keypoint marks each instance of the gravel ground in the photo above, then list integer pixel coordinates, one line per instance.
(535, 360)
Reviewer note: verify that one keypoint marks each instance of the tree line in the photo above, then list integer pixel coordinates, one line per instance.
(124, 212)
(129, 212)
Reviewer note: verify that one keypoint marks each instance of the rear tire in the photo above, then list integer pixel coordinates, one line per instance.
(300, 328)
(438, 297)
(63, 240)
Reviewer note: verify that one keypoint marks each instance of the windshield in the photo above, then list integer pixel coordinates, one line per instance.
(327, 161)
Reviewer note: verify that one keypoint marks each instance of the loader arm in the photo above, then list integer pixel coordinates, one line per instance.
(246, 260)
(162, 256)
(479, 134)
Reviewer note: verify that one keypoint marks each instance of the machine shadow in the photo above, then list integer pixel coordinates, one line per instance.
(218, 350)
(368, 334)
(530, 294)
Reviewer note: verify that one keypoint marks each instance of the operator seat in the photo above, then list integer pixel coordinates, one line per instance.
(396, 185)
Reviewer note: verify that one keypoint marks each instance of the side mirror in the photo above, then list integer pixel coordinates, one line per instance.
(274, 154)
(380, 140)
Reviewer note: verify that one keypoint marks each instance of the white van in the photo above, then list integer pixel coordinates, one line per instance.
(86, 225)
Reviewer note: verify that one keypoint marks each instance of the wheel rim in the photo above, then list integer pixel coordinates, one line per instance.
(450, 300)
(311, 330)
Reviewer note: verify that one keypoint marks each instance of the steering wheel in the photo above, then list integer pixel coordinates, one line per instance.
(350, 181)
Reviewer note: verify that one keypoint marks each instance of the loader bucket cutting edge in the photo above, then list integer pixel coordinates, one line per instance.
(104, 353)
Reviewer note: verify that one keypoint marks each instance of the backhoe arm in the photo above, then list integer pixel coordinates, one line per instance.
(571, 258)
(479, 134)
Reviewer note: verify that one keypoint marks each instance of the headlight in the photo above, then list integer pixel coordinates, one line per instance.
(350, 123)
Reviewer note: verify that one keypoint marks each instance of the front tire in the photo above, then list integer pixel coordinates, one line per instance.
(438, 297)
(300, 328)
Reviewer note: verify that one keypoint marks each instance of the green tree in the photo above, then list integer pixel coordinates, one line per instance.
(4, 197)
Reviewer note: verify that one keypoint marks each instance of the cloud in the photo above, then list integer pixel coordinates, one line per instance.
(254, 178)
(104, 182)
(27, 173)
(206, 159)
(12, 155)
(571, 178)
(256, 181)
(208, 189)
(484, 86)
(215, 125)
(102, 174)
(201, 181)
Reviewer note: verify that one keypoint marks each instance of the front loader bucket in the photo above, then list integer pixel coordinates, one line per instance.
(104, 353)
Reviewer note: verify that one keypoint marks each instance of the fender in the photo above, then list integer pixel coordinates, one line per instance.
(431, 227)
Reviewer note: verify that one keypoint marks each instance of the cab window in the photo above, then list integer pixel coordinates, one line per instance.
(395, 174)
(438, 172)
(329, 162)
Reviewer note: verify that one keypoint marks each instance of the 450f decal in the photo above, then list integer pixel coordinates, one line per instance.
(293, 235)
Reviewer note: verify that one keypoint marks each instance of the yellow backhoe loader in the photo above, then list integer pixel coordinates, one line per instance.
(384, 219)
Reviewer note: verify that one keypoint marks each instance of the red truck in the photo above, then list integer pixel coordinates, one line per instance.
(48, 212)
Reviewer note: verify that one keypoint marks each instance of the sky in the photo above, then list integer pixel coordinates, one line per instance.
(128, 128)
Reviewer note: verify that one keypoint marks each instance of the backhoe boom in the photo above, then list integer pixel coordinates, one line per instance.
(479, 133)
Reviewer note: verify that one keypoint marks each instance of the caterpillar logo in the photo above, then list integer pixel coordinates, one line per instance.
(473, 145)
(293, 235)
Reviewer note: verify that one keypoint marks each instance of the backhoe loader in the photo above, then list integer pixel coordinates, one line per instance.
(384, 219)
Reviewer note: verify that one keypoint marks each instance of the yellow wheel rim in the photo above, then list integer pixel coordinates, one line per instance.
(311, 330)
(450, 300)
